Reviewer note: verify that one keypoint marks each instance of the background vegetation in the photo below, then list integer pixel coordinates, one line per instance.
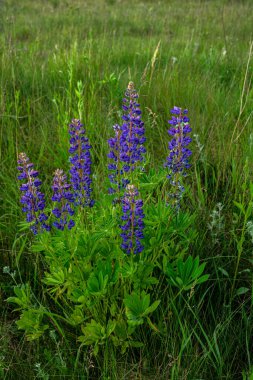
(65, 59)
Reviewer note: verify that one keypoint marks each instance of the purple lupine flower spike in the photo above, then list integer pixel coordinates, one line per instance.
(80, 171)
(64, 197)
(132, 136)
(126, 148)
(33, 200)
(178, 159)
(114, 167)
(133, 225)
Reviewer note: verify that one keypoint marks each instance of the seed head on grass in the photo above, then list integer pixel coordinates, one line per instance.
(64, 197)
(80, 159)
(32, 199)
(133, 225)
(178, 159)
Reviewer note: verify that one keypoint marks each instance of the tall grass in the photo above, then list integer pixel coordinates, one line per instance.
(65, 59)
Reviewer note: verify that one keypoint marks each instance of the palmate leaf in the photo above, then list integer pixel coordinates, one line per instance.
(23, 296)
(56, 280)
(56, 277)
(121, 329)
(76, 317)
(31, 318)
(31, 321)
(143, 278)
(106, 272)
(96, 285)
(110, 268)
(122, 336)
(128, 269)
(185, 275)
(96, 334)
(138, 307)
(93, 333)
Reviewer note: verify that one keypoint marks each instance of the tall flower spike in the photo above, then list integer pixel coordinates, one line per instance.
(178, 159)
(63, 196)
(132, 136)
(133, 225)
(114, 167)
(33, 200)
(115, 176)
(80, 159)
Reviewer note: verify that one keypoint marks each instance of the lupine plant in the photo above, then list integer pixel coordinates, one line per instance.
(104, 274)
(127, 149)
(32, 199)
(132, 227)
(178, 159)
(132, 137)
(115, 167)
(80, 159)
(64, 197)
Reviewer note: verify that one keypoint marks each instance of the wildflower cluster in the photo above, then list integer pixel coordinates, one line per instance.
(178, 159)
(133, 225)
(126, 154)
(33, 200)
(80, 159)
(64, 197)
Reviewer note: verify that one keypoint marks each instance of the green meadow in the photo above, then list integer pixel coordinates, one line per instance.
(62, 59)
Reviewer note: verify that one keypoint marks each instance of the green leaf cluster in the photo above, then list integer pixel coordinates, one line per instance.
(138, 308)
(31, 319)
(93, 291)
(185, 275)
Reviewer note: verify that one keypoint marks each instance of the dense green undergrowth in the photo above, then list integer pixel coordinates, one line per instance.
(62, 59)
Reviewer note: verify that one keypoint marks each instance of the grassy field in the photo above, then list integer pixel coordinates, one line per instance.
(66, 59)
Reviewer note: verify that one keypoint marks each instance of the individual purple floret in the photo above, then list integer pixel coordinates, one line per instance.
(80, 171)
(132, 131)
(63, 196)
(178, 159)
(133, 225)
(33, 200)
